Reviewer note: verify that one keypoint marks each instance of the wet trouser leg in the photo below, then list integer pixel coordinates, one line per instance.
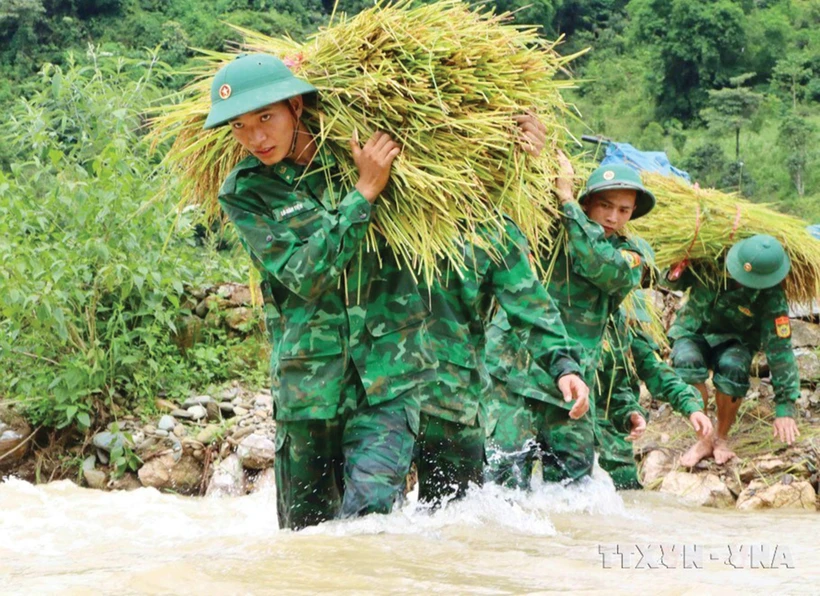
(449, 456)
(513, 445)
(615, 455)
(570, 444)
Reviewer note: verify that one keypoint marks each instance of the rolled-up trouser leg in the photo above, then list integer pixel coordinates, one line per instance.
(690, 358)
(449, 456)
(570, 444)
(513, 445)
(731, 368)
(377, 443)
(308, 470)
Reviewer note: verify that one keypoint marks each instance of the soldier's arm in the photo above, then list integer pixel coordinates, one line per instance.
(618, 388)
(695, 312)
(612, 270)
(661, 380)
(776, 343)
(527, 305)
(308, 266)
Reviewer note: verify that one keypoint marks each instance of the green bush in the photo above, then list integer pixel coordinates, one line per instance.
(92, 283)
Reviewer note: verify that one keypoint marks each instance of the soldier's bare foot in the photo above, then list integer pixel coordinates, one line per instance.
(698, 451)
(722, 451)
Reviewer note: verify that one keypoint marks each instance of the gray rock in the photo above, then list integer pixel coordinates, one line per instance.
(808, 364)
(769, 465)
(165, 472)
(655, 465)
(265, 481)
(179, 431)
(10, 441)
(199, 400)
(263, 400)
(184, 414)
(128, 481)
(208, 434)
(256, 452)
(108, 440)
(95, 478)
(89, 462)
(240, 411)
(227, 408)
(167, 423)
(706, 490)
(793, 495)
(162, 433)
(805, 335)
(228, 479)
(102, 456)
(197, 412)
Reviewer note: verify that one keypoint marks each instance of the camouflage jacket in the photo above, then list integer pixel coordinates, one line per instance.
(460, 305)
(629, 356)
(330, 302)
(758, 319)
(590, 275)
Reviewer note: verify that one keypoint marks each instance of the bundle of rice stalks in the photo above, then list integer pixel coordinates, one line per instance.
(700, 225)
(445, 81)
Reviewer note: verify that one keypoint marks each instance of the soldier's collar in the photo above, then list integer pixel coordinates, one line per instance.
(289, 170)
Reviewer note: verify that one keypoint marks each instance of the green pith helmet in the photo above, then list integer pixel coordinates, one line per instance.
(620, 176)
(758, 262)
(251, 82)
(646, 250)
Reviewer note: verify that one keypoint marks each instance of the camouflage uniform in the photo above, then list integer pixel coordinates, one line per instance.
(721, 330)
(350, 350)
(591, 276)
(451, 441)
(629, 356)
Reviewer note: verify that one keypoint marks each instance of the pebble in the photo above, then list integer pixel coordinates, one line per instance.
(167, 423)
(179, 430)
(197, 412)
(199, 400)
(162, 433)
(178, 413)
(240, 411)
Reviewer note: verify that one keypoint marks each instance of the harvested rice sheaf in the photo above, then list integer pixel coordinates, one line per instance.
(445, 80)
(701, 224)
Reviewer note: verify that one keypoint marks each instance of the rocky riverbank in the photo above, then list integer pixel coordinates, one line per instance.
(223, 443)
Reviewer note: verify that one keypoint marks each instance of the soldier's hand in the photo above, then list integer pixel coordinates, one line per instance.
(638, 426)
(573, 388)
(533, 134)
(701, 424)
(785, 429)
(563, 184)
(373, 162)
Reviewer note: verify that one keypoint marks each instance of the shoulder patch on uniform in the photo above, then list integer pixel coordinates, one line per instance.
(783, 327)
(632, 258)
(745, 311)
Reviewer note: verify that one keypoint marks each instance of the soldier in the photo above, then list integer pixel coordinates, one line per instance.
(630, 355)
(590, 276)
(349, 352)
(720, 328)
(450, 446)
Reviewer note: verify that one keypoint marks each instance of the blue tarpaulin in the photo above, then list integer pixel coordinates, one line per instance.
(643, 161)
(814, 230)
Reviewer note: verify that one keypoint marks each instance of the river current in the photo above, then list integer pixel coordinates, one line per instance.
(62, 539)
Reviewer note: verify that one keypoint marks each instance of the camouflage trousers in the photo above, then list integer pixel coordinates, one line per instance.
(350, 465)
(528, 430)
(449, 456)
(693, 357)
(615, 455)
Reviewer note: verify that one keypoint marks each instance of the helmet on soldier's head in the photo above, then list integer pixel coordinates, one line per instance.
(758, 262)
(620, 176)
(251, 82)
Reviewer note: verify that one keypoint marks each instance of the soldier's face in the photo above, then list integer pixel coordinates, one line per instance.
(268, 132)
(611, 209)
